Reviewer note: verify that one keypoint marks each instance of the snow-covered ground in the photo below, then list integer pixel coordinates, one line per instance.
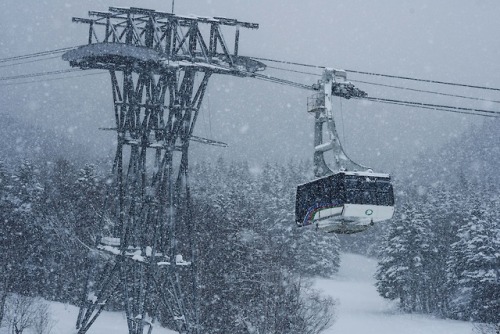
(361, 310)
(106, 323)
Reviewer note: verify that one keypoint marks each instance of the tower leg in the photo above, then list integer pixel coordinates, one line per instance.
(146, 226)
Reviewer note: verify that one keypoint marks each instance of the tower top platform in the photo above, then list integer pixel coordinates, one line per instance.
(159, 41)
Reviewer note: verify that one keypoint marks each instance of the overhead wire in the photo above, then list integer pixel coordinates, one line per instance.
(36, 54)
(29, 61)
(471, 111)
(461, 110)
(439, 109)
(425, 91)
(396, 87)
(39, 74)
(61, 50)
(424, 80)
(50, 79)
(270, 78)
(382, 75)
(294, 71)
(288, 62)
(393, 86)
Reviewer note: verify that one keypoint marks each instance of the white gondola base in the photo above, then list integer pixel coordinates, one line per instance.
(350, 218)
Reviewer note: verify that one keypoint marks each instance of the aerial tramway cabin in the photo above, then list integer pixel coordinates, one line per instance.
(345, 202)
(349, 197)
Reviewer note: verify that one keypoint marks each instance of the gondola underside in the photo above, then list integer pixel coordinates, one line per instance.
(347, 218)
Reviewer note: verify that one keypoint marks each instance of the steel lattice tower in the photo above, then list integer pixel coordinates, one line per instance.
(160, 64)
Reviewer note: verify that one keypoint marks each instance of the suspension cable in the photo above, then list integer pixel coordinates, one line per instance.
(29, 61)
(294, 71)
(461, 110)
(415, 104)
(382, 75)
(470, 111)
(49, 52)
(394, 86)
(288, 62)
(270, 78)
(424, 80)
(439, 109)
(51, 79)
(425, 91)
(39, 74)
(36, 54)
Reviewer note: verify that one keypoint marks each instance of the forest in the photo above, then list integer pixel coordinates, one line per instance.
(248, 249)
(439, 254)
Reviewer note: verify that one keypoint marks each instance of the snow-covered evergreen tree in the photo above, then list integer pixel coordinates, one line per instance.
(6, 207)
(442, 205)
(402, 270)
(252, 254)
(23, 229)
(88, 204)
(474, 269)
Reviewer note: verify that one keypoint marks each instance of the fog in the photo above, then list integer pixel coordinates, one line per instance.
(441, 40)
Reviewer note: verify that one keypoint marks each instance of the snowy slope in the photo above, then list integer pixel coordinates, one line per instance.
(361, 310)
(108, 322)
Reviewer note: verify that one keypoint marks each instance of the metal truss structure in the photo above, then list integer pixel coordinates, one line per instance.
(160, 65)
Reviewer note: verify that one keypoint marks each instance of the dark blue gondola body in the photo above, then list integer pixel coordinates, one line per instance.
(345, 197)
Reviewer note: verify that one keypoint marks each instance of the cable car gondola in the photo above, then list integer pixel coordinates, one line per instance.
(345, 202)
(349, 197)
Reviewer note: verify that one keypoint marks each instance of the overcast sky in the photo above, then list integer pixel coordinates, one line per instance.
(436, 39)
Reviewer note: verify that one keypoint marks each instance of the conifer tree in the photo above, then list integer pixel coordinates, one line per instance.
(402, 270)
(24, 230)
(473, 269)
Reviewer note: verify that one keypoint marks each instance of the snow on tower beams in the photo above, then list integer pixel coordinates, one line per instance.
(175, 38)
